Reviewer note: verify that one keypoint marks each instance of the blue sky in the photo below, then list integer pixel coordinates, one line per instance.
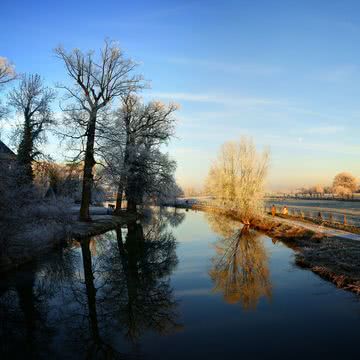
(286, 73)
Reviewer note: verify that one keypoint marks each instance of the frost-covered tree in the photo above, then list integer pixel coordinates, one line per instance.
(342, 191)
(14, 197)
(236, 179)
(7, 74)
(7, 71)
(133, 155)
(27, 220)
(97, 81)
(344, 184)
(151, 177)
(319, 189)
(32, 101)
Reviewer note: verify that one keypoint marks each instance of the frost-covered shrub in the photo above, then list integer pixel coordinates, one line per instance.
(26, 218)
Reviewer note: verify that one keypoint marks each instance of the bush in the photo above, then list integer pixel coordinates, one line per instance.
(27, 221)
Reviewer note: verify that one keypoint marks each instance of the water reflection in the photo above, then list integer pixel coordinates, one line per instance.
(221, 225)
(21, 315)
(240, 267)
(27, 326)
(174, 216)
(138, 294)
(84, 301)
(97, 348)
(110, 298)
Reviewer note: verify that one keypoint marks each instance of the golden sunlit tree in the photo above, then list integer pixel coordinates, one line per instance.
(236, 179)
(7, 74)
(344, 184)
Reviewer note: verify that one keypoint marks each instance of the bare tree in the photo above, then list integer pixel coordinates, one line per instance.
(96, 84)
(32, 100)
(134, 156)
(150, 178)
(236, 179)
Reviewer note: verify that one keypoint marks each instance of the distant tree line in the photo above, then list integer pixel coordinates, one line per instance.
(344, 185)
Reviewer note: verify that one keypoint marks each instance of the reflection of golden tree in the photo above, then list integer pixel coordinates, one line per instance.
(240, 269)
(220, 224)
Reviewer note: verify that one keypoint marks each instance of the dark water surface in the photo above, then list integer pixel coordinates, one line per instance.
(183, 285)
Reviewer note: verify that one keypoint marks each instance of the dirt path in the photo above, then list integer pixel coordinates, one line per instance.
(321, 229)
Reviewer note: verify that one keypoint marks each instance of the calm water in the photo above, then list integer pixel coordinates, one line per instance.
(183, 285)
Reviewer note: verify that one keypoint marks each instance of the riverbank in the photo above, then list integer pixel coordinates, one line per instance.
(24, 250)
(99, 225)
(333, 258)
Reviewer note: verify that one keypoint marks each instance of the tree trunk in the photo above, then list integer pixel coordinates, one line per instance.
(27, 302)
(119, 195)
(123, 178)
(89, 163)
(25, 150)
(90, 289)
(131, 189)
(131, 204)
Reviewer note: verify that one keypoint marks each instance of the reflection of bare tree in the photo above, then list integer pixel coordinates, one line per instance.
(79, 299)
(138, 293)
(97, 348)
(83, 318)
(21, 315)
(240, 269)
(174, 216)
(126, 290)
(26, 329)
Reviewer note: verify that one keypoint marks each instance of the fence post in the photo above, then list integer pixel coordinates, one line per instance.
(345, 221)
(320, 217)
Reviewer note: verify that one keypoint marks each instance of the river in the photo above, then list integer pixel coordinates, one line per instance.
(179, 285)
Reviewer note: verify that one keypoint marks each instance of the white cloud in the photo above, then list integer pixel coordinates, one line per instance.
(324, 130)
(238, 68)
(300, 143)
(216, 98)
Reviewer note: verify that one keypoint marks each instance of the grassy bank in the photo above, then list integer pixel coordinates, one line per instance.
(332, 258)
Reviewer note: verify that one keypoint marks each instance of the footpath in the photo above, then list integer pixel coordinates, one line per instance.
(330, 232)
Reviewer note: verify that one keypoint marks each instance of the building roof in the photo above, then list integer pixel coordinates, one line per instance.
(6, 152)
